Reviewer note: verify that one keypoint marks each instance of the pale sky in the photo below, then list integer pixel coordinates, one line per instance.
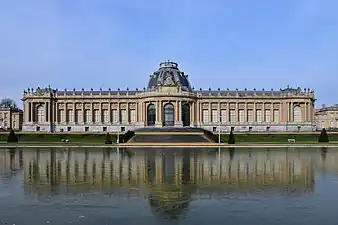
(219, 43)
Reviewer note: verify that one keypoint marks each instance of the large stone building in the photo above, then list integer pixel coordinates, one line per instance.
(168, 100)
(11, 118)
(327, 117)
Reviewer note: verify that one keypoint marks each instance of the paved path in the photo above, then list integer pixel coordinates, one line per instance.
(167, 145)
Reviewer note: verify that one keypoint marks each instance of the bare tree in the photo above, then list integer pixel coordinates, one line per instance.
(8, 103)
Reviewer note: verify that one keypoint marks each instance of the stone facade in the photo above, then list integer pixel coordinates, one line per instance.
(327, 117)
(11, 118)
(169, 100)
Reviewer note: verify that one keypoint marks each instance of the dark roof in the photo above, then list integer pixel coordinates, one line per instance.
(168, 74)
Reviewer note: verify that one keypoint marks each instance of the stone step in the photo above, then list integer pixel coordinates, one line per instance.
(177, 138)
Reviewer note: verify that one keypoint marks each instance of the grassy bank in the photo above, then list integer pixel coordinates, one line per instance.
(100, 138)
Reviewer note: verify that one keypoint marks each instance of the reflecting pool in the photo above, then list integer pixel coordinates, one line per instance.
(168, 186)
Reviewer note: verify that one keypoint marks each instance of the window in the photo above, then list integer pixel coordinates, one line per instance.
(241, 116)
(259, 115)
(88, 116)
(106, 118)
(123, 129)
(267, 116)
(97, 116)
(267, 129)
(232, 115)
(5, 115)
(115, 116)
(104, 129)
(79, 116)
(123, 114)
(70, 115)
(250, 129)
(205, 116)
(40, 114)
(223, 115)
(86, 129)
(214, 116)
(250, 115)
(297, 117)
(232, 129)
(37, 128)
(14, 125)
(214, 129)
(132, 114)
(276, 116)
(62, 118)
(69, 129)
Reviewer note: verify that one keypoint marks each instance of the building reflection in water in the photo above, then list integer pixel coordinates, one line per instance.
(169, 179)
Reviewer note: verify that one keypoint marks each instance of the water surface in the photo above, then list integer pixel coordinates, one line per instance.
(168, 186)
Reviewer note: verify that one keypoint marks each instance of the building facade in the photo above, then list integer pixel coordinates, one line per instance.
(11, 119)
(327, 117)
(168, 100)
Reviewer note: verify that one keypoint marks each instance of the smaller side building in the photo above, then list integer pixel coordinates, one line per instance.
(11, 118)
(327, 117)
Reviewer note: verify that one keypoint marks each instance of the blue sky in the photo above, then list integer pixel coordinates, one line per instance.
(219, 43)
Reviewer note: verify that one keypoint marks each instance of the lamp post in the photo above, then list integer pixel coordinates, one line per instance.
(118, 136)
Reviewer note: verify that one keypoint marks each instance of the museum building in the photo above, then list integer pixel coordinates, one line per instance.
(169, 100)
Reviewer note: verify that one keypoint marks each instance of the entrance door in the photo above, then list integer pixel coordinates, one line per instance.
(186, 114)
(168, 115)
(151, 115)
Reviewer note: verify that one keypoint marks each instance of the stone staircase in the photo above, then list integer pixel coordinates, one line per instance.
(170, 135)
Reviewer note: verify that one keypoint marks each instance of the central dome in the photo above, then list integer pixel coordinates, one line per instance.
(169, 75)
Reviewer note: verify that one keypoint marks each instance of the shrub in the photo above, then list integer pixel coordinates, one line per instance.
(12, 138)
(231, 139)
(108, 139)
(323, 137)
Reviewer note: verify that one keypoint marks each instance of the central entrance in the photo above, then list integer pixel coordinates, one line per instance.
(169, 119)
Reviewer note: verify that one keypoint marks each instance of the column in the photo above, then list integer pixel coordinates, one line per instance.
(179, 111)
(74, 113)
(101, 113)
(118, 113)
(157, 111)
(210, 113)
(305, 112)
(57, 114)
(136, 112)
(160, 111)
(254, 119)
(31, 112)
(176, 111)
(46, 112)
(109, 113)
(219, 112)
(263, 112)
(236, 113)
(84, 118)
(66, 113)
(245, 112)
(92, 112)
(192, 114)
(291, 111)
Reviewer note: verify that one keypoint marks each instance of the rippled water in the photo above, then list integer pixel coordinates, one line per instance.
(168, 186)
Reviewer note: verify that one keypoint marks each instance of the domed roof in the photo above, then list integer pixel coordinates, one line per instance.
(169, 75)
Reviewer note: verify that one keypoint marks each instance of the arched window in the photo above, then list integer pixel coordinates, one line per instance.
(151, 115)
(297, 114)
(168, 115)
(40, 114)
(186, 114)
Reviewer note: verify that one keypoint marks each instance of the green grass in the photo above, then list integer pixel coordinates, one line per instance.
(99, 138)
